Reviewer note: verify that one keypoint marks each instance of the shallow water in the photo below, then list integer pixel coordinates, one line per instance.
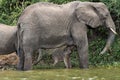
(107, 73)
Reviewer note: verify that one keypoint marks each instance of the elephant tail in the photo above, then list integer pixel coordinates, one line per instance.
(20, 38)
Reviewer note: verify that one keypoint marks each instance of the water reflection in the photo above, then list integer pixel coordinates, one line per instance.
(63, 74)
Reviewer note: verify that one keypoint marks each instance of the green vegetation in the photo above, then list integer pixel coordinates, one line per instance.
(10, 10)
(93, 73)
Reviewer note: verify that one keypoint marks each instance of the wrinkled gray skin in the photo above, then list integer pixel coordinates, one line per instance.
(58, 55)
(8, 37)
(46, 25)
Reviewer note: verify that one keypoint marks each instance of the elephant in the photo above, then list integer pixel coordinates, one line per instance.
(45, 25)
(58, 55)
(61, 55)
(8, 38)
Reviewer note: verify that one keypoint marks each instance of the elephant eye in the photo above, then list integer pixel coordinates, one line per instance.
(104, 16)
(107, 15)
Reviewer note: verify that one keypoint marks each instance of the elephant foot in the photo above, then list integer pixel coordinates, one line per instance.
(27, 68)
(84, 66)
(27, 64)
(69, 67)
(19, 67)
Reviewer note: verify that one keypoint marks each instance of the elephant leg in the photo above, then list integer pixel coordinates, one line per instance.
(55, 61)
(39, 57)
(21, 60)
(79, 34)
(83, 54)
(27, 58)
(67, 61)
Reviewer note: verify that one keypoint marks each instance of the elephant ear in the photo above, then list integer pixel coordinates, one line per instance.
(101, 10)
(86, 13)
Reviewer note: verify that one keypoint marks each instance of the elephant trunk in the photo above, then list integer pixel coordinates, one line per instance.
(112, 31)
(109, 42)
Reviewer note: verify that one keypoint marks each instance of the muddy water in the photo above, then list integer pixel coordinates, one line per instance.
(107, 73)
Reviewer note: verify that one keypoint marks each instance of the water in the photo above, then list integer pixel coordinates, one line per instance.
(99, 73)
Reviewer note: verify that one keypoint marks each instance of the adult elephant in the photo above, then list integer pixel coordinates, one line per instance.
(8, 38)
(47, 25)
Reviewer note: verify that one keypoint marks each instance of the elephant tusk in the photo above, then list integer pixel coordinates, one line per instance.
(113, 31)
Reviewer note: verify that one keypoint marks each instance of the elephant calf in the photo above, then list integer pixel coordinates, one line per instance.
(62, 55)
(8, 60)
(58, 55)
